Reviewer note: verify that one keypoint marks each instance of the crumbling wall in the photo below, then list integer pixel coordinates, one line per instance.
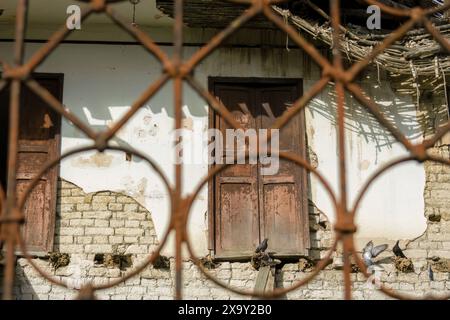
(97, 230)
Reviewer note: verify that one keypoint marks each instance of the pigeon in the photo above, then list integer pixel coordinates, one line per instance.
(430, 273)
(262, 246)
(370, 252)
(397, 251)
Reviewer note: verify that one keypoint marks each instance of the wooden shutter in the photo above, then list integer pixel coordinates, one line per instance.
(248, 206)
(237, 221)
(39, 142)
(283, 197)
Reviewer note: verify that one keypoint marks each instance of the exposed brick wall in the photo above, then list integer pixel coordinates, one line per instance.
(110, 223)
(103, 222)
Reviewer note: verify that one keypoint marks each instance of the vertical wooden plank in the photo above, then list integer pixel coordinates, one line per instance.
(283, 216)
(237, 226)
(262, 279)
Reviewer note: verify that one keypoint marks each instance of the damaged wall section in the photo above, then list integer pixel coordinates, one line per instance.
(109, 223)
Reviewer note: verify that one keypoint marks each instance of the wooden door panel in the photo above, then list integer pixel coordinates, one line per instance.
(281, 218)
(237, 221)
(281, 195)
(37, 207)
(238, 101)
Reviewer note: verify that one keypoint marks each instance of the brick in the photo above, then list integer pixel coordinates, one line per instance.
(84, 240)
(130, 208)
(75, 200)
(84, 207)
(77, 192)
(132, 224)
(116, 239)
(97, 271)
(99, 231)
(98, 248)
(100, 240)
(124, 199)
(65, 207)
(71, 215)
(65, 193)
(72, 231)
(101, 223)
(97, 215)
(103, 199)
(65, 239)
(147, 224)
(131, 239)
(81, 222)
(116, 223)
(99, 206)
(129, 231)
(146, 240)
(115, 206)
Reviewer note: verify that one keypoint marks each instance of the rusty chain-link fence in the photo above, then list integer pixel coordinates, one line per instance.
(180, 70)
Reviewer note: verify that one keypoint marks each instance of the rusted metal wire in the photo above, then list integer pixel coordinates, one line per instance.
(179, 70)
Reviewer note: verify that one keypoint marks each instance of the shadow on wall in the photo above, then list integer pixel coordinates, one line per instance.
(23, 288)
(399, 110)
(103, 110)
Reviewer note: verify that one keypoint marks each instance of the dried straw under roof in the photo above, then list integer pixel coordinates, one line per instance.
(415, 59)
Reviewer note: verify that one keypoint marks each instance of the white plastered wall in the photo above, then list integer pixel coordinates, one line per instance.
(101, 82)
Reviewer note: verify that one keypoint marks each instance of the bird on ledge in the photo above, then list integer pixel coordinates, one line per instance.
(262, 246)
(397, 251)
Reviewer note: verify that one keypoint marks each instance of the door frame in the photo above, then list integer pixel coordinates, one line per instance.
(212, 82)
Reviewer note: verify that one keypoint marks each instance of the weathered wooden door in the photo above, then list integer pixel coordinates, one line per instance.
(249, 206)
(39, 141)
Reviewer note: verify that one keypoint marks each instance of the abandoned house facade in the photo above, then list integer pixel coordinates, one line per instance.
(95, 216)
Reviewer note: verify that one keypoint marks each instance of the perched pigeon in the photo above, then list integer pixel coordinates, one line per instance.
(397, 251)
(262, 246)
(370, 252)
(430, 273)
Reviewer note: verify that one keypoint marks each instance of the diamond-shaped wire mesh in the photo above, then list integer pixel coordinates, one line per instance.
(180, 70)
